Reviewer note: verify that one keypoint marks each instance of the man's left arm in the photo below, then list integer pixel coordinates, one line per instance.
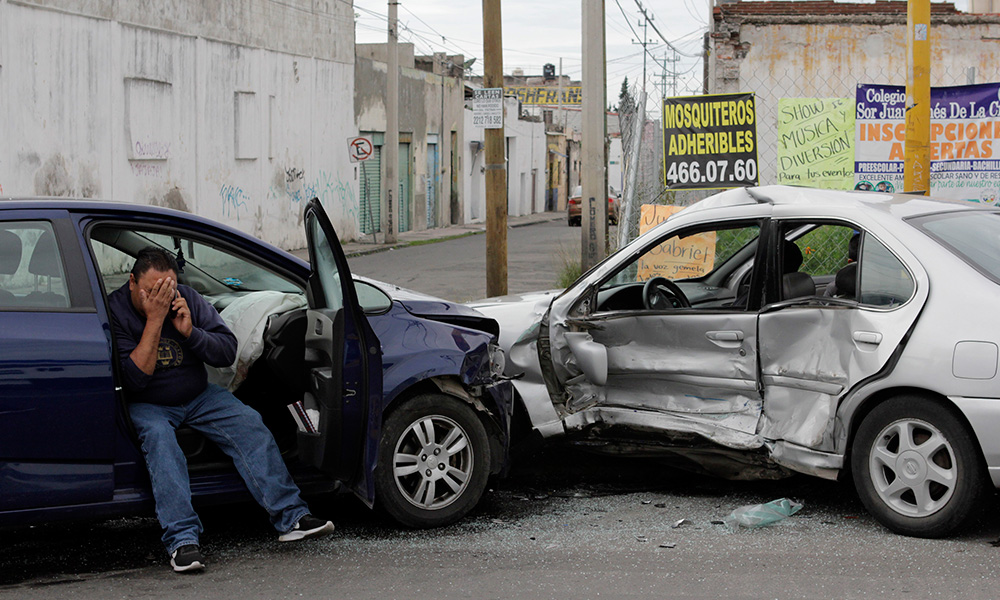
(207, 335)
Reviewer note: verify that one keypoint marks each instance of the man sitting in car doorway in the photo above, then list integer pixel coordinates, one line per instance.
(166, 334)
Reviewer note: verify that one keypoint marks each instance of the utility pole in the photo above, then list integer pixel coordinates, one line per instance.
(496, 163)
(391, 147)
(594, 217)
(917, 173)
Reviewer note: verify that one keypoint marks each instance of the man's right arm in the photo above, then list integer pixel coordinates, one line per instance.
(144, 354)
(127, 340)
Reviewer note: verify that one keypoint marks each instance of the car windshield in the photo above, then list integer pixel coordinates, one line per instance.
(206, 268)
(974, 236)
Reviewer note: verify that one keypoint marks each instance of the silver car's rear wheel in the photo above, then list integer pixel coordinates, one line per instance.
(917, 469)
(912, 466)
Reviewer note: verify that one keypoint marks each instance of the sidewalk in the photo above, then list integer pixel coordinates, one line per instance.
(426, 236)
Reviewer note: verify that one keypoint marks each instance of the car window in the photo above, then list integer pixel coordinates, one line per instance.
(31, 267)
(372, 300)
(686, 256)
(884, 281)
(208, 269)
(973, 236)
(826, 249)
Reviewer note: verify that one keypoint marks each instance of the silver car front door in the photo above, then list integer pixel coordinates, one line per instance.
(659, 360)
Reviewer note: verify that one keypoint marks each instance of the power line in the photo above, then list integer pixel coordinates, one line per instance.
(662, 37)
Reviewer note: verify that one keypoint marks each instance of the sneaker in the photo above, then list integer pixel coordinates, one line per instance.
(308, 526)
(187, 558)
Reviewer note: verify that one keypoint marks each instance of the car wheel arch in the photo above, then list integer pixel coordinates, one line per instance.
(451, 386)
(864, 407)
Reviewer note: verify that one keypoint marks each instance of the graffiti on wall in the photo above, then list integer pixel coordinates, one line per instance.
(234, 200)
(333, 192)
(152, 150)
(146, 169)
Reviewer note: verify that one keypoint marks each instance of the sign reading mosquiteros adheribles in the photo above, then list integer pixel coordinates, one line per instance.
(710, 142)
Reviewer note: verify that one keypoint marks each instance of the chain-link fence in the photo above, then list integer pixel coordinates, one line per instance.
(642, 157)
(643, 161)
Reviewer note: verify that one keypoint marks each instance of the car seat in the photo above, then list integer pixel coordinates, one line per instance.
(45, 261)
(794, 283)
(10, 260)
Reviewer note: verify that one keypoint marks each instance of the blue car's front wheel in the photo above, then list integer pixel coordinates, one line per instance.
(433, 462)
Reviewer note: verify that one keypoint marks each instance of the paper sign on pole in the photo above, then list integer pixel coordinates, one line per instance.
(487, 108)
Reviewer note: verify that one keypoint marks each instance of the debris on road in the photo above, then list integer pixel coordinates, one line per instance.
(761, 515)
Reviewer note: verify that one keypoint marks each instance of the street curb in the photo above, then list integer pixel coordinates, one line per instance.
(384, 248)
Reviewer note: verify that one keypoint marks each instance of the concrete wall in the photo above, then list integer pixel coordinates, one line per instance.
(429, 105)
(526, 149)
(826, 57)
(200, 106)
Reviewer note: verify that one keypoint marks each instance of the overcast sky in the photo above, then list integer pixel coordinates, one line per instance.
(536, 32)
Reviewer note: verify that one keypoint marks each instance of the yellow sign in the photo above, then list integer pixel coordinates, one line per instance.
(816, 142)
(546, 95)
(676, 258)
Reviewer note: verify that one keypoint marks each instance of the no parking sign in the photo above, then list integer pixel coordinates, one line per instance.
(359, 148)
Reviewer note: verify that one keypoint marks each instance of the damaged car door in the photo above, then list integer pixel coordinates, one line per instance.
(666, 342)
(344, 359)
(819, 342)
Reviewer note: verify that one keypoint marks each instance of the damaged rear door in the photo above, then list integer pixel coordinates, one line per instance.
(813, 350)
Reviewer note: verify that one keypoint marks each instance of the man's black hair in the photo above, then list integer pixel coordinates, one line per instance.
(152, 257)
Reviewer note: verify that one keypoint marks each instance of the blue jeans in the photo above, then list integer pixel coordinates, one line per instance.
(235, 428)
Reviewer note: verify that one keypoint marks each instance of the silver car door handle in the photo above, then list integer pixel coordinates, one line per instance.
(725, 336)
(868, 337)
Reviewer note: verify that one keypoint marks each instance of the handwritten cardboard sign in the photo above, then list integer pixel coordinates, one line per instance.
(676, 258)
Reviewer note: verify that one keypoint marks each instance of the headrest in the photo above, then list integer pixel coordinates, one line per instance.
(44, 258)
(797, 285)
(792, 257)
(852, 246)
(847, 281)
(10, 252)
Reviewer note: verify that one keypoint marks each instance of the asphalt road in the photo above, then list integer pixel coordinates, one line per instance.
(456, 269)
(565, 524)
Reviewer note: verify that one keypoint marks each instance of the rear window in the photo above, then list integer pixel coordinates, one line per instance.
(974, 236)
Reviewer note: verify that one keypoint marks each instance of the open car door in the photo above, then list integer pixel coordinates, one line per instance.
(344, 361)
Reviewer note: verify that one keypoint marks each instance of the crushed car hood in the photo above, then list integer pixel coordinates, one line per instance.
(437, 309)
(516, 313)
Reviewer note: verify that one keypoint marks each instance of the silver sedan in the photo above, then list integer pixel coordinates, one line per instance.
(771, 330)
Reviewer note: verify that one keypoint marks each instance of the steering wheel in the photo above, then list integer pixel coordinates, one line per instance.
(659, 293)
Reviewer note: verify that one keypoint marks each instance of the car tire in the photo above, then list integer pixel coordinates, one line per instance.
(413, 485)
(917, 469)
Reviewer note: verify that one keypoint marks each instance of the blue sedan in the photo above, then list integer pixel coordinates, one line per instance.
(366, 387)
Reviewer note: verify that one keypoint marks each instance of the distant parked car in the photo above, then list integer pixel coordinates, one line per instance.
(394, 395)
(741, 335)
(574, 207)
